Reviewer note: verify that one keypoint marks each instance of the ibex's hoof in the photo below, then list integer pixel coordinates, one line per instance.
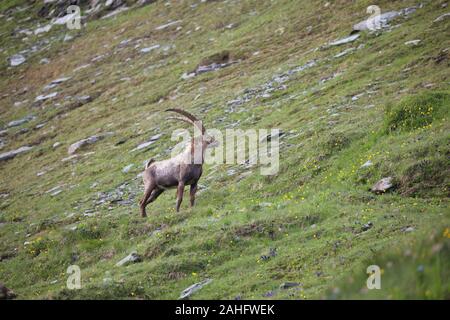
(143, 215)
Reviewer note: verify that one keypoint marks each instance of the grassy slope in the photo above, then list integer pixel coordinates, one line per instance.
(319, 201)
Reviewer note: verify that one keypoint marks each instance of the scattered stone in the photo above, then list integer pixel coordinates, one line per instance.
(408, 229)
(148, 143)
(46, 97)
(127, 168)
(133, 257)
(16, 60)
(367, 226)
(212, 67)
(43, 29)
(72, 157)
(287, 285)
(345, 52)
(6, 294)
(383, 185)
(44, 61)
(55, 191)
(67, 38)
(56, 144)
(20, 122)
(186, 293)
(345, 40)
(272, 253)
(268, 294)
(11, 154)
(84, 66)
(187, 76)
(115, 12)
(84, 142)
(84, 99)
(167, 25)
(55, 82)
(413, 42)
(442, 17)
(149, 49)
(379, 22)
(144, 145)
(367, 164)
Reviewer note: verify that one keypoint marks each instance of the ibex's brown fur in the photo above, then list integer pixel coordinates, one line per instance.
(178, 171)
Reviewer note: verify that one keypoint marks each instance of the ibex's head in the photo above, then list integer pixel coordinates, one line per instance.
(206, 140)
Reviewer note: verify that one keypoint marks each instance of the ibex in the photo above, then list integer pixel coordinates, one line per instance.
(179, 171)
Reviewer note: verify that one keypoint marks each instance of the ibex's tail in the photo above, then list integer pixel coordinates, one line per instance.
(149, 163)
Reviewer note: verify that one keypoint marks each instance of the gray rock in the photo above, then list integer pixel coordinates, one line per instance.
(186, 293)
(372, 23)
(20, 122)
(344, 53)
(187, 76)
(144, 145)
(345, 40)
(11, 154)
(287, 285)
(16, 60)
(84, 142)
(133, 257)
(413, 42)
(67, 37)
(127, 168)
(115, 12)
(367, 164)
(55, 82)
(148, 143)
(46, 97)
(149, 49)
(367, 226)
(383, 185)
(442, 17)
(167, 25)
(6, 294)
(84, 99)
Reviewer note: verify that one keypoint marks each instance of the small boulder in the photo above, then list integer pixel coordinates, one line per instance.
(133, 257)
(84, 142)
(378, 22)
(383, 185)
(345, 40)
(186, 293)
(442, 17)
(16, 60)
(413, 42)
(6, 294)
(287, 285)
(11, 154)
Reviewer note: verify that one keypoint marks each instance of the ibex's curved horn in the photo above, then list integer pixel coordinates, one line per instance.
(181, 119)
(191, 117)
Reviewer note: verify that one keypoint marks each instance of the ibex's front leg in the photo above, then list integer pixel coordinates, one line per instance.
(192, 193)
(180, 191)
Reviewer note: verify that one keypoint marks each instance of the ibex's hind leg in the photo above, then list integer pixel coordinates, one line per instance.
(180, 191)
(155, 194)
(192, 193)
(143, 203)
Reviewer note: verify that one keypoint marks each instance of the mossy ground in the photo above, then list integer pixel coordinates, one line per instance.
(312, 212)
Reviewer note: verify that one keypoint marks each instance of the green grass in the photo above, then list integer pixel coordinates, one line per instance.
(417, 111)
(313, 212)
(413, 270)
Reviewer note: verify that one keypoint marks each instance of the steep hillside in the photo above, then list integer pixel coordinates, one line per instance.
(352, 112)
